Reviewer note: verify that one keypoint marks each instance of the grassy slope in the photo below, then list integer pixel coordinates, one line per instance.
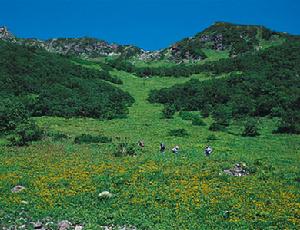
(154, 191)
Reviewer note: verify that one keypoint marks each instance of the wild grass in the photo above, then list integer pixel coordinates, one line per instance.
(153, 190)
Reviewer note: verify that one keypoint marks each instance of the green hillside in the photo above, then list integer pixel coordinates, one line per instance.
(268, 83)
(70, 129)
(49, 84)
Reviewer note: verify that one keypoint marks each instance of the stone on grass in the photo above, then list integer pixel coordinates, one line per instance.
(239, 169)
(17, 188)
(105, 194)
(64, 225)
(78, 227)
(37, 225)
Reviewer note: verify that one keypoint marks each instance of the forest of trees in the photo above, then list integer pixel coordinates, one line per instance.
(38, 83)
(268, 85)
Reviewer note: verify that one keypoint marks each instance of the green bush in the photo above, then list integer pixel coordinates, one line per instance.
(12, 113)
(211, 137)
(178, 133)
(198, 121)
(250, 128)
(205, 112)
(26, 133)
(87, 138)
(57, 136)
(169, 111)
(217, 127)
(290, 122)
(186, 115)
(126, 149)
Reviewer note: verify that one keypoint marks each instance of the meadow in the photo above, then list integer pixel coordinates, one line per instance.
(152, 190)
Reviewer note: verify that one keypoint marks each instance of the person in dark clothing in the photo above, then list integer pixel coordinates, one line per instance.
(141, 144)
(162, 147)
(208, 150)
(175, 149)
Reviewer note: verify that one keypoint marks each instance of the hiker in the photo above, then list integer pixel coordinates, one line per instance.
(175, 149)
(141, 144)
(208, 150)
(162, 147)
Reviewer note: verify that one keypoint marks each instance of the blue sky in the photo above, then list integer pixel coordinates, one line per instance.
(149, 24)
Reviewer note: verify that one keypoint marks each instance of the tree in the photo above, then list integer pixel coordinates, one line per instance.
(250, 128)
(290, 122)
(12, 113)
(169, 111)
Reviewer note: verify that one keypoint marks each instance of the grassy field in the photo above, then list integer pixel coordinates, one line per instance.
(151, 190)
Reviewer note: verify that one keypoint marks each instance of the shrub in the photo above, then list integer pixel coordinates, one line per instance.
(211, 137)
(198, 121)
(290, 122)
(186, 115)
(87, 138)
(222, 115)
(250, 129)
(178, 133)
(57, 136)
(25, 133)
(126, 149)
(215, 126)
(12, 113)
(169, 111)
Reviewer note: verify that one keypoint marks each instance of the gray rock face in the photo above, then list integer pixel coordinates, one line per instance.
(5, 34)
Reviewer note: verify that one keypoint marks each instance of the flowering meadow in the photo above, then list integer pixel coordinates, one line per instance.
(152, 190)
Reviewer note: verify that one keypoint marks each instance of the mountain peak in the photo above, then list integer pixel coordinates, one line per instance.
(5, 33)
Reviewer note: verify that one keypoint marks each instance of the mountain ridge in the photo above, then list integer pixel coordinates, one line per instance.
(221, 36)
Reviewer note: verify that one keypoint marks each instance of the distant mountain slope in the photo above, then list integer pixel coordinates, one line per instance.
(236, 39)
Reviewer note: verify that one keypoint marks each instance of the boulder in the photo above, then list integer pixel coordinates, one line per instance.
(64, 225)
(240, 169)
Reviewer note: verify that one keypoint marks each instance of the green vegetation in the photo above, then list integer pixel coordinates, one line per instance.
(178, 133)
(250, 129)
(63, 179)
(169, 111)
(25, 133)
(87, 138)
(48, 84)
(198, 121)
(233, 105)
(269, 85)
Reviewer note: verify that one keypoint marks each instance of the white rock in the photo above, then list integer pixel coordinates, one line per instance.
(105, 194)
(17, 188)
(78, 227)
(64, 225)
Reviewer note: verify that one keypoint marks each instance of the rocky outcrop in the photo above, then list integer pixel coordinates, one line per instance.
(83, 47)
(5, 34)
(235, 39)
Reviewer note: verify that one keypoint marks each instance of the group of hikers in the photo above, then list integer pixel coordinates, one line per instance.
(207, 150)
